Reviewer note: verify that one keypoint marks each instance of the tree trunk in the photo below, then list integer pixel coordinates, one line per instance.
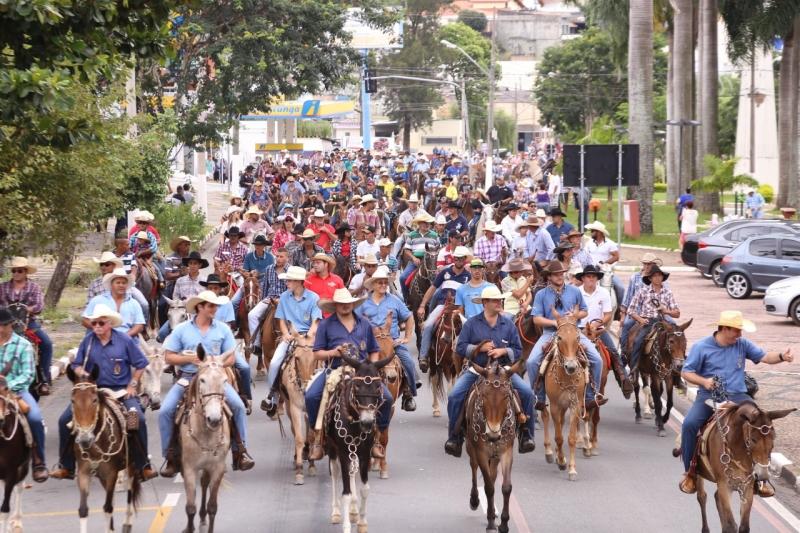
(640, 98)
(407, 133)
(708, 100)
(787, 119)
(682, 96)
(671, 133)
(794, 184)
(60, 276)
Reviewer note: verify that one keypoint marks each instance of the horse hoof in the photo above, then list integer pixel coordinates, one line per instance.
(662, 433)
(362, 528)
(354, 517)
(261, 373)
(548, 457)
(587, 452)
(573, 476)
(437, 413)
(648, 416)
(312, 471)
(375, 466)
(298, 479)
(638, 419)
(127, 528)
(336, 518)
(384, 474)
(562, 467)
(490, 529)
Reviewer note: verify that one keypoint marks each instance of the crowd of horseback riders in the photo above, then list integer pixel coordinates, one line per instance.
(326, 268)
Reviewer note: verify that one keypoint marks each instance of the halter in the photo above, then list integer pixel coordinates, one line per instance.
(9, 408)
(570, 386)
(114, 448)
(508, 426)
(661, 369)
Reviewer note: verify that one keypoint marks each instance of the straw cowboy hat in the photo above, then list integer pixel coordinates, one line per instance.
(531, 222)
(324, 257)
(144, 216)
(575, 233)
(381, 273)
(367, 198)
(104, 311)
(540, 213)
(492, 226)
(108, 257)
(655, 270)
(205, 296)
(253, 210)
(173, 244)
(413, 199)
(441, 220)
(369, 259)
(517, 265)
(597, 226)
(651, 258)
(143, 236)
(554, 267)
(341, 296)
(735, 319)
(109, 278)
(490, 293)
(461, 251)
(385, 242)
(294, 273)
(232, 209)
(308, 234)
(424, 216)
(22, 262)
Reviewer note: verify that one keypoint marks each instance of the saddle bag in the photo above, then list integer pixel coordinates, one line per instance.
(132, 419)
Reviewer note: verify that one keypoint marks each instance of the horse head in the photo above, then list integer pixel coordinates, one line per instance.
(495, 393)
(568, 340)
(19, 312)
(252, 289)
(492, 271)
(758, 435)
(304, 359)
(366, 391)
(383, 334)
(85, 405)
(150, 386)
(594, 329)
(176, 313)
(675, 342)
(210, 388)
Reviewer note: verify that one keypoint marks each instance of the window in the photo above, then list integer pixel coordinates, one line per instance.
(790, 249)
(764, 247)
(741, 234)
(439, 140)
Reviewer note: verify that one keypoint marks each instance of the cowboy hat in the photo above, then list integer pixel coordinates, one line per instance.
(735, 319)
(492, 226)
(194, 256)
(573, 233)
(516, 265)
(308, 234)
(563, 246)
(213, 279)
(111, 276)
(253, 210)
(654, 270)
(381, 273)
(423, 216)
(597, 226)
(232, 209)
(650, 257)
(234, 230)
(554, 267)
(451, 284)
(512, 207)
(476, 262)
(540, 213)
(384, 242)
(173, 244)
(369, 259)
(344, 227)
(367, 198)
(6, 317)
(143, 236)
(260, 239)
(413, 199)
(144, 216)
(319, 213)
(104, 311)
(341, 296)
(490, 293)
(461, 251)
(531, 222)
(294, 273)
(22, 262)
(324, 257)
(205, 296)
(557, 212)
(108, 257)
(441, 220)
(590, 269)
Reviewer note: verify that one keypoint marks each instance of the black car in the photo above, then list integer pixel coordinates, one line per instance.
(692, 243)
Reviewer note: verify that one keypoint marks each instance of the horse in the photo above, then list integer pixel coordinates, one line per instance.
(15, 456)
(149, 389)
(349, 436)
(656, 365)
(423, 279)
(101, 448)
(592, 419)
(251, 295)
(491, 427)
(270, 337)
(565, 383)
(21, 316)
(299, 368)
(745, 435)
(492, 270)
(391, 374)
(444, 363)
(344, 268)
(205, 439)
(176, 313)
(147, 281)
(529, 332)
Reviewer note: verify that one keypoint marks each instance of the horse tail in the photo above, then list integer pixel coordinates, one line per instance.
(135, 491)
(437, 384)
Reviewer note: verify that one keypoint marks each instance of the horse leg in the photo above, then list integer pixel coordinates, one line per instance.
(744, 511)
(189, 485)
(347, 496)
(127, 526)
(384, 465)
(204, 480)
(572, 440)
(336, 500)
(595, 422)
(648, 398)
(558, 428)
(213, 492)
(723, 498)
(637, 408)
(309, 436)
(702, 495)
(6, 507)
(474, 500)
(298, 429)
(489, 472)
(668, 387)
(435, 380)
(353, 495)
(109, 484)
(548, 446)
(362, 510)
(506, 462)
(584, 437)
(83, 509)
(656, 387)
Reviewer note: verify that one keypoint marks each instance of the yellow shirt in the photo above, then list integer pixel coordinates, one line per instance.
(452, 192)
(388, 187)
(509, 284)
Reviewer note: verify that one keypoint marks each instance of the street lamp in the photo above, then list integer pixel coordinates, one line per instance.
(490, 114)
(682, 123)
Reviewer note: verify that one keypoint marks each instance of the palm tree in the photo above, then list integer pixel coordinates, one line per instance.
(682, 53)
(640, 101)
(708, 94)
(720, 177)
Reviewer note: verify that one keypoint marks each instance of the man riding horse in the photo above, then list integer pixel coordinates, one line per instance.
(651, 302)
(488, 336)
(649, 260)
(272, 286)
(415, 244)
(117, 297)
(186, 286)
(721, 356)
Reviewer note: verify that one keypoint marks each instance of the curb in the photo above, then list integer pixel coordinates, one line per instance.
(644, 247)
(780, 465)
(632, 268)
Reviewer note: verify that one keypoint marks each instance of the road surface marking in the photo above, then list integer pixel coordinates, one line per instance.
(159, 523)
(515, 511)
(91, 511)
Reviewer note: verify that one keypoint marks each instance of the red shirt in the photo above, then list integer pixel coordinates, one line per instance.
(151, 229)
(324, 287)
(324, 239)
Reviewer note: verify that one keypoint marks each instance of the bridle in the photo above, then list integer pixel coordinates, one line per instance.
(480, 425)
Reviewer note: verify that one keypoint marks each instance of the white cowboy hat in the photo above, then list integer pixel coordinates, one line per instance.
(143, 235)
(490, 293)
(367, 198)
(319, 213)
(461, 251)
(384, 242)
(108, 257)
(424, 216)
(540, 213)
(650, 257)
(735, 319)
(413, 199)
(492, 226)
(22, 262)
(111, 276)
(232, 209)
(144, 216)
(253, 210)
(441, 220)
(369, 259)
(104, 311)
(597, 226)
(341, 296)
(308, 234)
(381, 273)
(205, 296)
(451, 284)
(295, 273)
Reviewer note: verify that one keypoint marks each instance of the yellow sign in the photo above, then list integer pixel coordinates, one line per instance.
(277, 147)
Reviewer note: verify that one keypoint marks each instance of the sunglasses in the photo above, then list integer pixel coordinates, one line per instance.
(381, 282)
(106, 264)
(101, 323)
(19, 270)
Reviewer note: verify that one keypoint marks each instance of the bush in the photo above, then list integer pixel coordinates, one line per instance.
(172, 221)
(660, 187)
(767, 192)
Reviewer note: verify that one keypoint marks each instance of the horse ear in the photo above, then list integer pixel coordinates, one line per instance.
(479, 369)
(95, 373)
(555, 313)
(383, 362)
(774, 415)
(517, 367)
(71, 373)
(685, 326)
(388, 322)
(355, 363)
(201, 351)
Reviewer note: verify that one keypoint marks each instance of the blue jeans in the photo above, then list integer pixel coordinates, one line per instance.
(275, 365)
(235, 301)
(169, 405)
(694, 421)
(537, 354)
(407, 271)
(163, 332)
(244, 375)
(35, 421)
(408, 366)
(314, 398)
(45, 349)
(457, 397)
(67, 452)
(625, 329)
(608, 342)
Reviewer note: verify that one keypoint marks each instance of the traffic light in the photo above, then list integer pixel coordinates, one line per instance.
(370, 84)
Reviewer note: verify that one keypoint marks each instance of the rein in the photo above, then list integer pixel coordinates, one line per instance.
(508, 427)
(107, 422)
(6, 401)
(204, 399)
(571, 385)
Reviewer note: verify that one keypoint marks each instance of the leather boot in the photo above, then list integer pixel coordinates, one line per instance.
(687, 484)
(40, 473)
(408, 402)
(171, 467)
(764, 489)
(453, 446)
(242, 460)
(316, 452)
(526, 443)
(59, 472)
(423, 366)
(147, 473)
(378, 451)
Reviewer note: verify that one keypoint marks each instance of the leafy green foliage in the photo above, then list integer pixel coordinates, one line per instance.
(147, 176)
(766, 190)
(474, 19)
(504, 124)
(728, 113)
(179, 220)
(756, 22)
(313, 128)
(720, 176)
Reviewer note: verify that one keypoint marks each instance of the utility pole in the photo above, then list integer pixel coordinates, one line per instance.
(516, 115)
(490, 126)
(465, 115)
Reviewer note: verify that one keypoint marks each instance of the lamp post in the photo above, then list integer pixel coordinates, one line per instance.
(682, 123)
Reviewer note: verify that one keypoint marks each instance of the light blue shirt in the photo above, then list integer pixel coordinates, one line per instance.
(540, 245)
(300, 313)
(545, 302)
(464, 296)
(376, 312)
(225, 313)
(708, 359)
(130, 310)
(186, 336)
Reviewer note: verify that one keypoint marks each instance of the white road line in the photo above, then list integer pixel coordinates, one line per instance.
(171, 500)
(178, 478)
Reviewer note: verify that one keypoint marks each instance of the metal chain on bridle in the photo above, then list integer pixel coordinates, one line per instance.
(571, 385)
(428, 274)
(508, 427)
(107, 422)
(16, 413)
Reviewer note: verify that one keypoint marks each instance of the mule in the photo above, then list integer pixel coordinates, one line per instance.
(592, 419)
(176, 313)
(15, 456)
(149, 389)
(444, 363)
(205, 439)
(392, 374)
(270, 337)
(147, 281)
(491, 427)
(101, 447)
(251, 296)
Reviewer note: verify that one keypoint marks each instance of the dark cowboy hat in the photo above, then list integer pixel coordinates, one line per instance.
(260, 239)
(557, 212)
(453, 203)
(5, 316)
(195, 256)
(344, 227)
(562, 246)
(299, 229)
(654, 270)
(554, 267)
(590, 269)
(511, 206)
(213, 279)
(234, 230)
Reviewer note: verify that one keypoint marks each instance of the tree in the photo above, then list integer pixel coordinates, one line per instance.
(314, 128)
(728, 113)
(720, 177)
(504, 124)
(640, 100)
(708, 93)
(474, 19)
(681, 109)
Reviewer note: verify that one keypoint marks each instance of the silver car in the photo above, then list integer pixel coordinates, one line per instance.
(783, 299)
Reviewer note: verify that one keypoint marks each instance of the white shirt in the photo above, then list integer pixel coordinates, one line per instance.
(519, 247)
(598, 302)
(406, 217)
(509, 226)
(689, 220)
(601, 252)
(357, 282)
(554, 188)
(364, 248)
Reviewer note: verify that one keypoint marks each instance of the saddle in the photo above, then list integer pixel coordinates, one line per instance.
(20, 409)
(648, 340)
(332, 381)
(549, 350)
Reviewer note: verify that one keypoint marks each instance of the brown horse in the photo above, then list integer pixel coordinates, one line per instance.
(15, 455)
(656, 366)
(745, 435)
(101, 448)
(423, 279)
(147, 281)
(592, 419)
(529, 332)
(491, 427)
(444, 362)
(492, 270)
(565, 383)
(251, 295)
(344, 269)
(391, 374)
(299, 368)
(270, 337)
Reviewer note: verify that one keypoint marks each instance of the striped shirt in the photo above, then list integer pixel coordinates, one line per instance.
(490, 251)
(646, 301)
(128, 261)
(271, 286)
(234, 256)
(30, 295)
(17, 363)
(186, 287)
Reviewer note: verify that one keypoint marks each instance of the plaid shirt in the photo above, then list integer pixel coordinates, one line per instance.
(336, 251)
(301, 259)
(30, 295)
(17, 356)
(186, 287)
(95, 287)
(642, 303)
(234, 256)
(490, 250)
(271, 286)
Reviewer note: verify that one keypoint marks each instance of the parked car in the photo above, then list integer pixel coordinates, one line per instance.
(783, 299)
(690, 246)
(760, 261)
(713, 248)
